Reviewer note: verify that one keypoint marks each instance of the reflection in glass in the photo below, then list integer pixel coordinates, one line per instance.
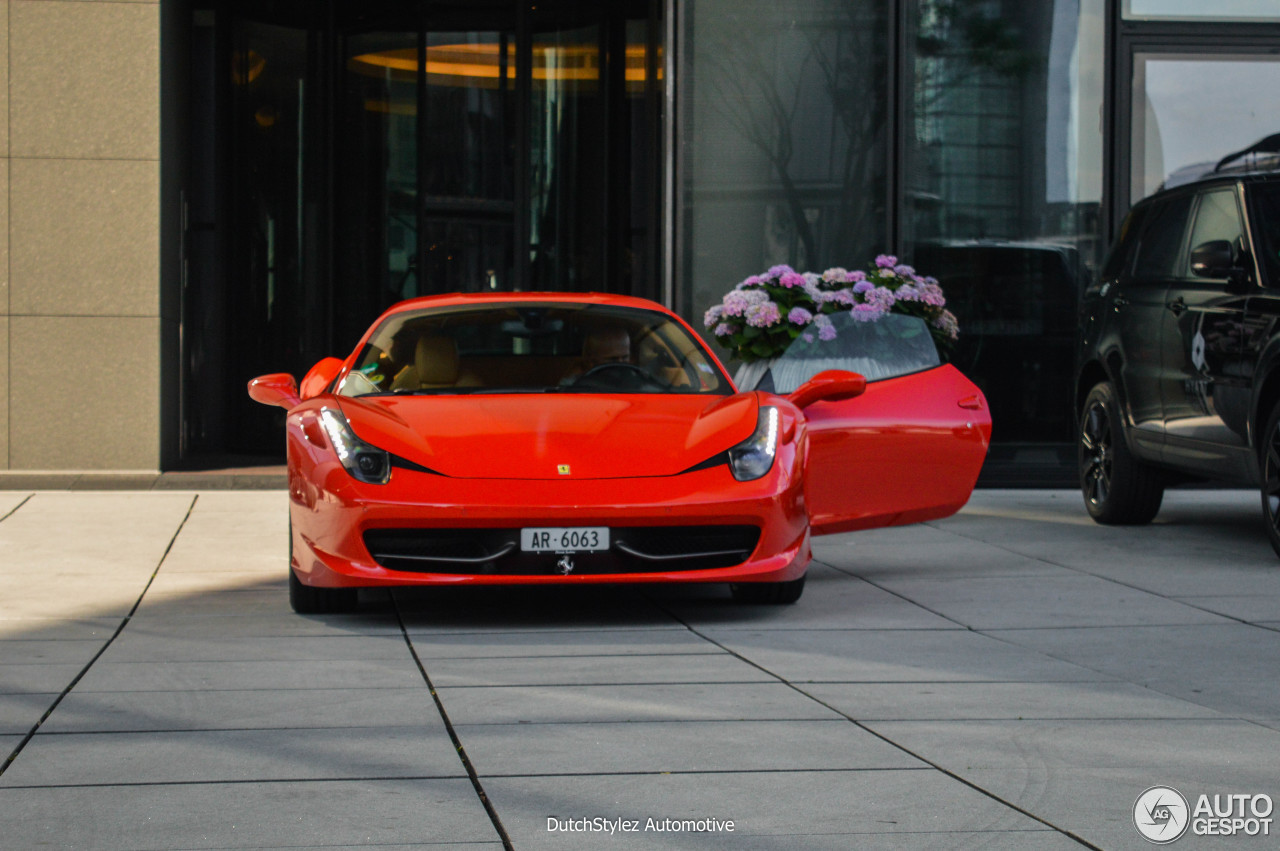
(1173, 140)
(1187, 10)
(1002, 186)
(784, 137)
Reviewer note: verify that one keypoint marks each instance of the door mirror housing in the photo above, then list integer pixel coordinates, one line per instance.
(320, 377)
(1216, 259)
(830, 385)
(276, 389)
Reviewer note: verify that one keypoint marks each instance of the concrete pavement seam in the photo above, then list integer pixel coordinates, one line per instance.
(936, 766)
(453, 734)
(16, 507)
(123, 623)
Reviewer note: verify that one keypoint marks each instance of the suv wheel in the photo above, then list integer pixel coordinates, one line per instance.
(1118, 488)
(1271, 477)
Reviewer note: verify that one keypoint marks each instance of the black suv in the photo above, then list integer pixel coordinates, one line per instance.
(1179, 360)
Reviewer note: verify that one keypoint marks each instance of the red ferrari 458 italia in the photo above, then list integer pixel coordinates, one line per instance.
(554, 438)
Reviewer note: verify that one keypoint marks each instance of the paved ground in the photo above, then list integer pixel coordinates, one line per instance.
(1010, 678)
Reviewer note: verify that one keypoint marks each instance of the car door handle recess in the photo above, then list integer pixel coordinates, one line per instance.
(973, 403)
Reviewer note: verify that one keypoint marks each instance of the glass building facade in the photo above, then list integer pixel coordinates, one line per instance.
(334, 157)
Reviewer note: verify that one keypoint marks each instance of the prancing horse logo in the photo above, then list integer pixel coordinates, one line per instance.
(562, 469)
(565, 565)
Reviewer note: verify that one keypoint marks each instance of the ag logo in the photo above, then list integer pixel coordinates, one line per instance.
(1161, 815)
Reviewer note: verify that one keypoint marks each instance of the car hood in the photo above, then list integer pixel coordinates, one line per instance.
(538, 436)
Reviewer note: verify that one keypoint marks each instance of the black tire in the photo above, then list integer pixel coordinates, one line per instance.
(1118, 489)
(1270, 444)
(768, 593)
(307, 600)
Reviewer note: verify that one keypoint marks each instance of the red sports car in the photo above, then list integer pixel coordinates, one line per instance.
(556, 438)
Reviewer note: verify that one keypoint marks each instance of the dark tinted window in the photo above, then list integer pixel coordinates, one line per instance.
(1121, 255)
(1265, 201)
(1161, 241)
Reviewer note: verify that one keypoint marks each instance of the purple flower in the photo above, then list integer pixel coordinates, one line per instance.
(859, 275)
(725, 329)
(862, 286)
(712, 315)
(836, 275)
(791, 279)
(799, 316)
(763, 315)
(948, 325)
(735, 304)
(778, 271)
(880, 297)
(812, 290)
(827, 333)
(904, 270)
(866, 312)
(752, 281)
(908, 292)
(886, 261)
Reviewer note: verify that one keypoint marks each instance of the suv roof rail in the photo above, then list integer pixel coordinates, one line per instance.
(1269, 145)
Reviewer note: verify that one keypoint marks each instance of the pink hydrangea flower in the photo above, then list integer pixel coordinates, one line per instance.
(778, 271)
(836, 275)
(862, 286)
(859, 275)
(886, 261)
(763, 315)
(791, 279)
(751, 281)
(799, 316)
(904, 270)
(712, 315)
(866, 312)
(735, 304)
(725, 329)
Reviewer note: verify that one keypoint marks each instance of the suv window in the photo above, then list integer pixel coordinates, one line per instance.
(1265, 202)
(1161, 242)
(1217, 217)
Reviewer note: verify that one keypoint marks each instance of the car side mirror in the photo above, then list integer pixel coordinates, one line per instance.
(1215, 259)
(830, 385)
(320, 376)
(276, 389)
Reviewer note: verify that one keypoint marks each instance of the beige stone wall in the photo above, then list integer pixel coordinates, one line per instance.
(79, 234)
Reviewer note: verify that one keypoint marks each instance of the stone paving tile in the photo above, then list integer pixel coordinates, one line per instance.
(134, 646)
(832, 599)
(1014, 701)
(1045, 601)
(1253, 608)
(203, 676)
(20, 712)
(1085, 775)
(26, 679)
(299, 709)
(712, 667)
(90, 759)
(267, 622)
(704, 746)
(829, 809)
(10, 500)
(623, 642)
(653, 702)
(905, 557)
(57, 629)
(49, 652)
(245, 815)
(896, 656)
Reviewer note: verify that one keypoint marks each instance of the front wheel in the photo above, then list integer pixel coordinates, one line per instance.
(775, 593)
(1271, 477)
(1118, 488)
(307, 600)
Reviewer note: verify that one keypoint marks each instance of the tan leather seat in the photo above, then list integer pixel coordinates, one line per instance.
(435, 365)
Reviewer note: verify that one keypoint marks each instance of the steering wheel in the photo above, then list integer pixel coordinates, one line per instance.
(626, 376)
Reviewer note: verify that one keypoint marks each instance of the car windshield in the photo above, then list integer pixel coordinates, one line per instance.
(890, 346)
(532, 347)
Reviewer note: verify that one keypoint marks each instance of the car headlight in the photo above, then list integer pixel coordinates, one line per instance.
(364, 462)
(752, 458)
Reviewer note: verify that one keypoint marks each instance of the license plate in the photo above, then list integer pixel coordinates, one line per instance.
(564, 539)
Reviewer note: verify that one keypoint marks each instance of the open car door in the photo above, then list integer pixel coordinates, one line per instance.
(906, 450)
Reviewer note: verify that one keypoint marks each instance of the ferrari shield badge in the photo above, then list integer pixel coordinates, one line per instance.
(562, 469)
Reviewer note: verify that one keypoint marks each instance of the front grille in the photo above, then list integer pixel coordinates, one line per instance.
(496, 552)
